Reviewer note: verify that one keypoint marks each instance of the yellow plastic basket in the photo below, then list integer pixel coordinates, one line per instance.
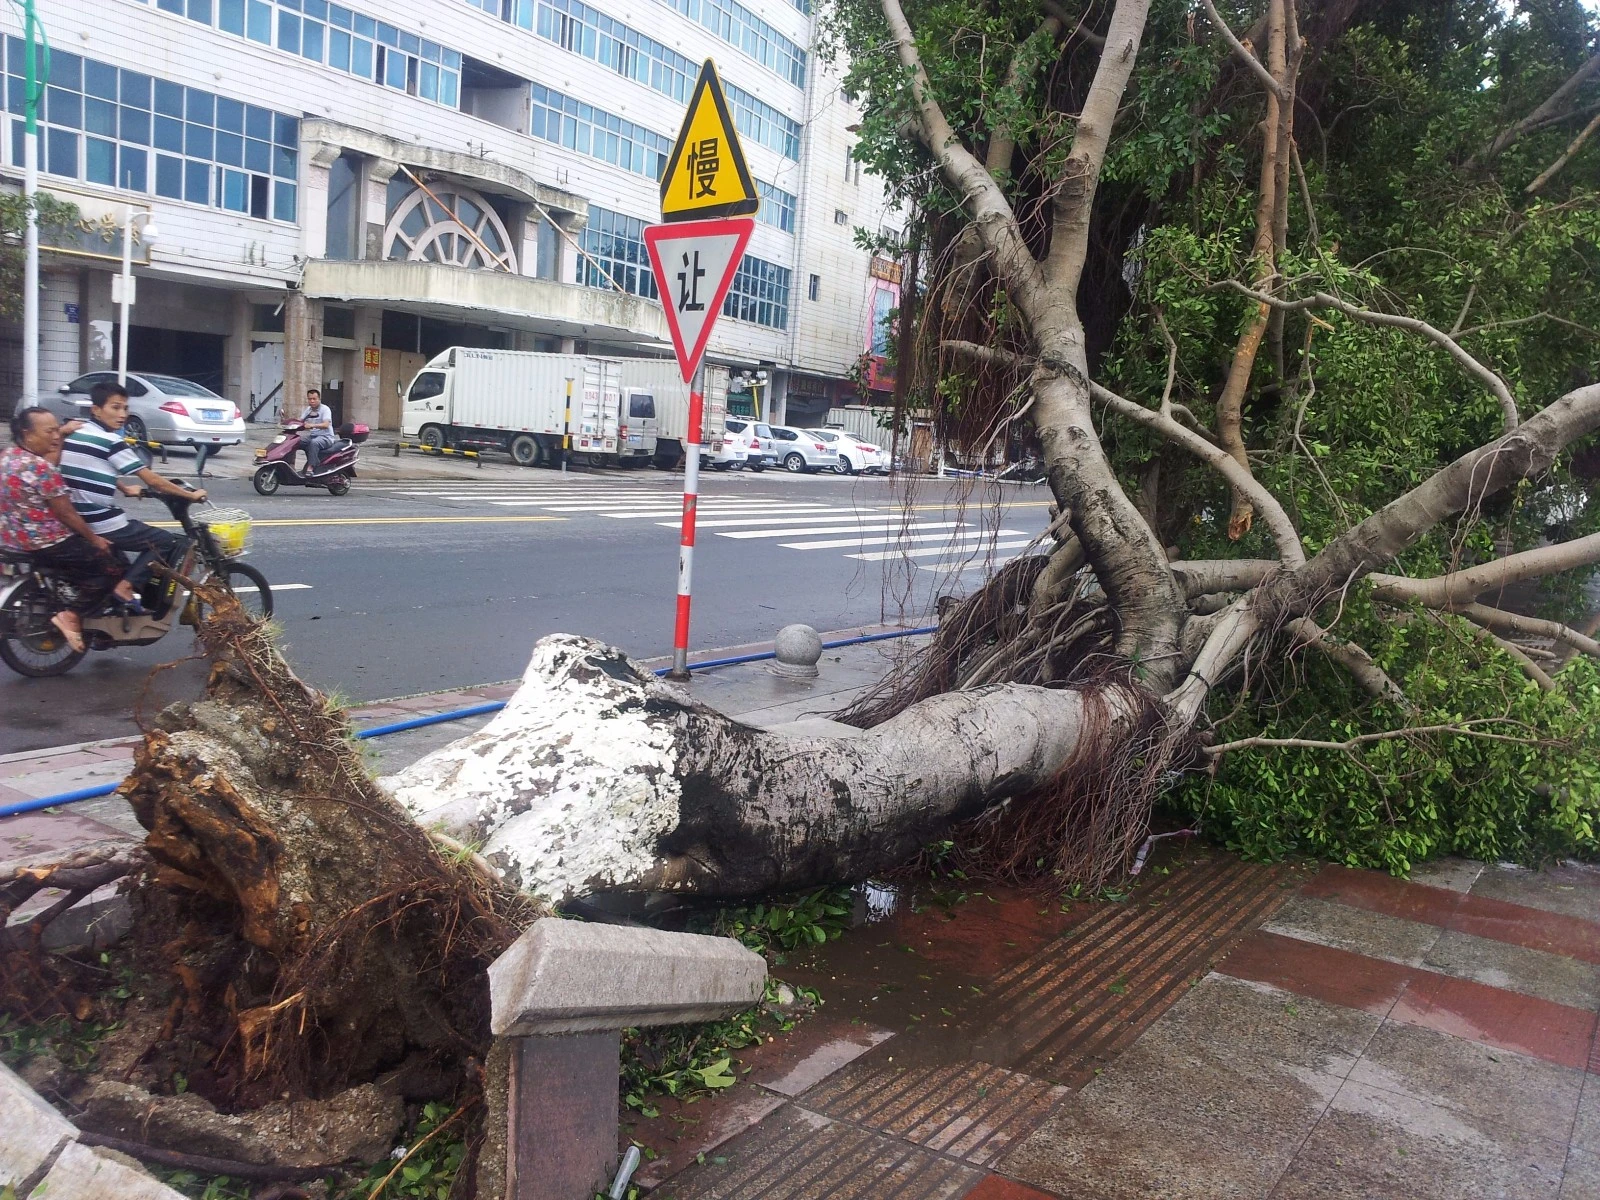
(230, 528)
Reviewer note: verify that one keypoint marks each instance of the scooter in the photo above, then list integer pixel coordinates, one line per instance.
(275, 463)
(30, 594)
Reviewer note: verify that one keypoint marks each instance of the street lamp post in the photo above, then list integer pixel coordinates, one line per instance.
(126, 285)
(32, 31)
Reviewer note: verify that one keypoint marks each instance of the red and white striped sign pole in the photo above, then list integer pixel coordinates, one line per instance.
(691, 501)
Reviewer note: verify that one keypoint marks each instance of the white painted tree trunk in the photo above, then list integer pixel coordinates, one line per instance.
(598, 776)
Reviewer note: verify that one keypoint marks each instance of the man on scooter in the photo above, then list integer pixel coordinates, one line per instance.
(318, 434)
(97, 462)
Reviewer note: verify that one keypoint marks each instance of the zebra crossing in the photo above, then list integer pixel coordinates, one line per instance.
(866, 533)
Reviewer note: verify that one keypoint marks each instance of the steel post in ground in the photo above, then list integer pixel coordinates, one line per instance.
(691, 500)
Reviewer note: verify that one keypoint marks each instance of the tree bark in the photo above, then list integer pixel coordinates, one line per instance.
(597, 776)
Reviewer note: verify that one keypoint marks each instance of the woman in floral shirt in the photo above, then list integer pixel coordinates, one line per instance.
(37, 519)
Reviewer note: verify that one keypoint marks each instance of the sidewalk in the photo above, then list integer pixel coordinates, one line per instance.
(377, 461)
(1229, 1030)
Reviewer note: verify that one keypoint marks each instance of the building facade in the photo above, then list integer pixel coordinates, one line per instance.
(343, 191)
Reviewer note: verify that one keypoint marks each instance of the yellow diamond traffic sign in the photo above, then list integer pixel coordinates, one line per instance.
(706, 175)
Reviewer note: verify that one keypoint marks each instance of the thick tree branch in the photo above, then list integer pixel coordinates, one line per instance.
(981, 195)
(989, 355)
(1080, 175)
(1239, 478)
(1555, 104)
(1242, 52)
(1353, 658)
(1023, 64)
(1492, 381)
(1501, 621)
(1554, 169)
(1468, 481)
(1463, 587)
(1204, 576)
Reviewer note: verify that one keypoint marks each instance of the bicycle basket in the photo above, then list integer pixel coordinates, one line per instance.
(230, 528)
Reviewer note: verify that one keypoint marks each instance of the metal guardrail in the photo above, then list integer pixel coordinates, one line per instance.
(439, 450)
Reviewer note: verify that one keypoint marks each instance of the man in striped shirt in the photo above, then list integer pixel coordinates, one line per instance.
(96, 463)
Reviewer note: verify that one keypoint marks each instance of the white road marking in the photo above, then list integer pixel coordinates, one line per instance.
(822, 514)
(977, 548)
(977, 564)
(834, 543)
(277, 587)
(881, 525)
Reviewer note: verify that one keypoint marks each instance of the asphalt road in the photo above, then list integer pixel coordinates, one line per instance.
(403, 587)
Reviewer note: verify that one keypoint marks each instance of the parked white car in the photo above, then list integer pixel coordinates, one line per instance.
(763, 450)
(799, 450)
(854, 454)
(165, 409)
(735, 449)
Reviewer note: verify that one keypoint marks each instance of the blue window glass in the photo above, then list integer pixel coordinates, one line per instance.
(285, 130)
(431, 51)
(171, 6)
(260, 26)
(284, 162)
(258, 122)
(230, 149)
(311, 41)
(133, 169)
(16, 98)
(317, 9)
(288, 32)
(366, 26)
(230, 16)
(447, 89)
(200, 108)
(100, 161)
(200, 10)
(18, 141)
(410, 43)
(61, 152)
(66, 70)
(198, 141)
(197, 182)
(394, 69)
(100, 79)
(283, 201)
(452, 59)
(66, 108)
(258, 155)
(169, 134)
(428, 85)
(339, 49)
(100, 116)
(339, 17)
(230, 115)
(136, 126)
(236, 191)
(135, 89)
(388, 34)
(169, 98)
(361, 58)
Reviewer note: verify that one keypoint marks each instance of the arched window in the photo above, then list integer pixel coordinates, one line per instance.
(435, 228)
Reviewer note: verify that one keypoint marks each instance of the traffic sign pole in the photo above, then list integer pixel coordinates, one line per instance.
(691, 502)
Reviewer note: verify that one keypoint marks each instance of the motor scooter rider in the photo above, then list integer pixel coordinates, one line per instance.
(317, 435)
(97, 463)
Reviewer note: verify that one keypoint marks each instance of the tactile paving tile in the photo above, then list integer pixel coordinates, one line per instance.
(795, 1154)
(1079, 1001)
(973, 1111)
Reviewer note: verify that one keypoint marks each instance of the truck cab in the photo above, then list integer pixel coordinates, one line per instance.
(425, 413)
(641, 426)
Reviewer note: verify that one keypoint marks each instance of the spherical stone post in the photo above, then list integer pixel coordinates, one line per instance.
(799, 649)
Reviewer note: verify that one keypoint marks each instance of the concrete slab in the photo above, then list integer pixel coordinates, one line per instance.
(1487, 1086)
(1377, 935)
(1582, 1180)
(1553, 977)
(1456, 874)
(1572, 889)
(686, 1130)
(814, 1050)
(1586, 1129)
(31, 1133)
(1175, 1123)
(1377, 1143)
(82, 1173)
(40, 836)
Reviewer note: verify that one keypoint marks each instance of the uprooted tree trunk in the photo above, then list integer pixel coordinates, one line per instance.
(318, 936)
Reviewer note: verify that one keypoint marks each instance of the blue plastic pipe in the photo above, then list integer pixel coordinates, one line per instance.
(459, 714)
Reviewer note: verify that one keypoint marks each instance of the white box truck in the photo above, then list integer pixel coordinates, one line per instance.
(516, 401)
(655, 411)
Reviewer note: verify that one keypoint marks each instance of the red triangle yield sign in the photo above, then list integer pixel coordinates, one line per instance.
(694, 264)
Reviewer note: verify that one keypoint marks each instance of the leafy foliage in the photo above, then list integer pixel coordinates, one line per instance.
(54, 215)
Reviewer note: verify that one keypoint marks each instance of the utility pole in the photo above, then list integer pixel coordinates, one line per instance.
(33, 90)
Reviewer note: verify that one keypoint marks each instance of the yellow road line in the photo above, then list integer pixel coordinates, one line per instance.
(383, 521)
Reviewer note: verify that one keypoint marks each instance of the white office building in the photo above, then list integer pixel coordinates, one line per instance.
(342, 191)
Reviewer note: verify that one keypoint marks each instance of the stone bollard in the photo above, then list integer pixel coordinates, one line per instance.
(562, 994)
(798, 649)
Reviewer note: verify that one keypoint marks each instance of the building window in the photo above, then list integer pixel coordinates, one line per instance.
(883, 302)
(122, 129)
(344, 208)
(614, 244)
(738, 26)
(777, 207)
(446, 223)
(339, 37)
(575, 26)
(761, 122)
(588, 130)
(760, 293)
(814, 287)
